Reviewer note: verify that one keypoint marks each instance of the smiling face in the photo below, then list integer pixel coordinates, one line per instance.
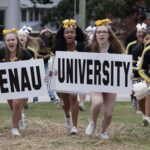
(23, 38)
(146, 39)
(102, 34)
(70, 34)
(11, 41)
(140, 34)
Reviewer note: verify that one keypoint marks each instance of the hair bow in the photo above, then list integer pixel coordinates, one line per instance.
(69, 23)
(25, 29)
(141, 26)
(90, 29)
(6, 31)
(102, 22)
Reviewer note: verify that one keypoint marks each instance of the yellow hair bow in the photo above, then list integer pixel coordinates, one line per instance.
(102, 22)
(69, 23)
(6, 31)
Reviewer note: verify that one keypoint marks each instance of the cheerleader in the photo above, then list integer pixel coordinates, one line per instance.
(13, 52)
(104, 41)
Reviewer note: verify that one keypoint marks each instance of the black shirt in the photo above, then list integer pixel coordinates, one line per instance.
(25, 55)
(136, 53)
(144, 67)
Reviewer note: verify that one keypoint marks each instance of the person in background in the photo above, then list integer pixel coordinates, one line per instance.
(90, 32)
(31, 44)
(70, 38)
(45, 52)
(27, 41)
(13, 52)
(140, 17)
(135, 49)
(104, 41)
(139, 38)
(143, 69)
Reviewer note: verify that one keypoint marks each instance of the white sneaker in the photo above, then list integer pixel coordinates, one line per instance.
(143, 116)
(68, 123)
(138, 112)
(74, 131)
(22, 122)
(90, 129)
(15, 131)
(146, 121)
(104, 136)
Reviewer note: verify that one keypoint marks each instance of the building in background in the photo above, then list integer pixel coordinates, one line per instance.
(32, 12)
(16, 13)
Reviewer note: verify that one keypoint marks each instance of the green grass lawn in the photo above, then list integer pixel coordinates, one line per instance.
(126, 127)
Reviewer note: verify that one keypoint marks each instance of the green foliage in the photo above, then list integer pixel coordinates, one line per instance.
(102, 8)
(147, 2)
(45, 129)
(126, 130)
(57, 14)
(95, 9)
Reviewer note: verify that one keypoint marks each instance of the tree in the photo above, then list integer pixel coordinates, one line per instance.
(63, 10)
(102, 8)
(95, 9)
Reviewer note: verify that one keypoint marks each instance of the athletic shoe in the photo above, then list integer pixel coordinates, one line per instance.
(15, 132)
(146, 121)
(104, 136)
(68, 123)
(138, 112)
(90, 129)
(54, 100)
(143, 116)
(22, 122)
(74, 131)
(35, 99)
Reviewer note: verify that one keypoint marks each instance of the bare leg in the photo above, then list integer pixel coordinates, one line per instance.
(10, 103)
(66, 103)
(97, 100)
(142, 105)
(146, 119)
(74, 108)
(109, 104)
(82, 101)
(16, 113)
(147, 106)
(25, 103)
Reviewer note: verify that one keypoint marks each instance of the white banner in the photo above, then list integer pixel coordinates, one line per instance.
(22, 79)
(92, 72)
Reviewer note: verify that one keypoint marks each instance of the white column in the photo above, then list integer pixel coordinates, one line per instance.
(13, 14)
(82, 13)
(27, 15)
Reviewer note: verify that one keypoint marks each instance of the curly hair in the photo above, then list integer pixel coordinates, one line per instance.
(60, 42)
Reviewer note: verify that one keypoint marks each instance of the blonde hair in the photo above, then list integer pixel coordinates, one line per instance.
(18, 48)
(33, 43)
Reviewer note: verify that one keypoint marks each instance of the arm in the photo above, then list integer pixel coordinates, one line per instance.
(144, 65)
